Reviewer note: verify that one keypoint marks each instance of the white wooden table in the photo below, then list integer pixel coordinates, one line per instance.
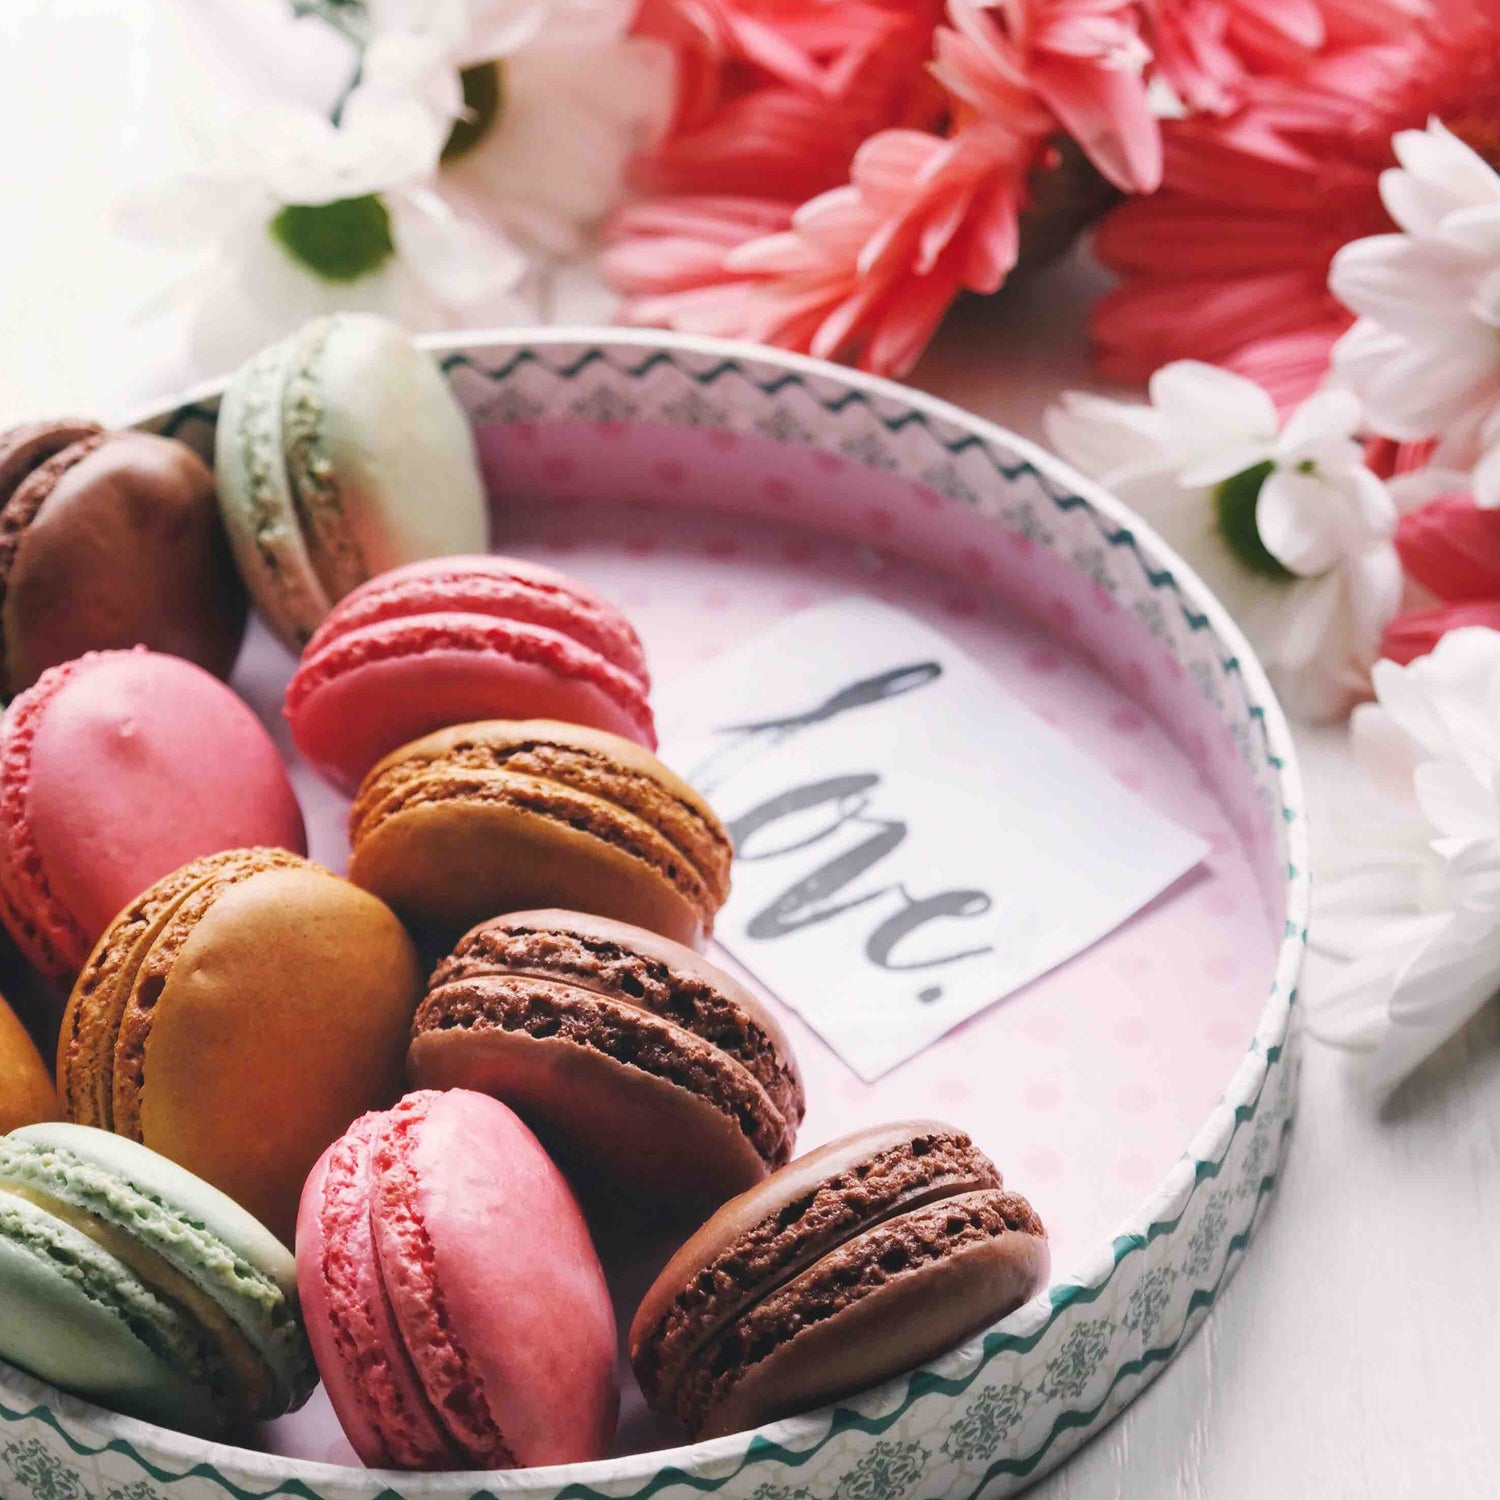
(1358, 1350)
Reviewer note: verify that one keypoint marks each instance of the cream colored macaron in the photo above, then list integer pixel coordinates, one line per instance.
(341, 453)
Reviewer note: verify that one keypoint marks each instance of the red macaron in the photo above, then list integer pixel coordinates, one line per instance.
(453, 1298)
(116, 769)
(456, 640)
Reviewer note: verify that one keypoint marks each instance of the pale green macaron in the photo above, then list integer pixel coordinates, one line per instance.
(341, 453)
(127, 1280)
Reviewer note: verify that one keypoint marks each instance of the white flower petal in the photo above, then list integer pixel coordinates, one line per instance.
(1100, 436)
(1475, 229)
(1295, 517)
(1487, 481)
(1437, 156)
(196, 211)
(1205, 404)
(1327, 416)
(1384, 750)
(1405, 284)
(1455, 800)
(461, 264)
(1224, 462)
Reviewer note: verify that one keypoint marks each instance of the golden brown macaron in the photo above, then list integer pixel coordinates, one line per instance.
(855, 1262)
(629, 1054)
(501, 816)
(236, 1017)
(26, 1096)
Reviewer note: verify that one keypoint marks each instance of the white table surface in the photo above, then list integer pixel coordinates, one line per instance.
(1356, 1353)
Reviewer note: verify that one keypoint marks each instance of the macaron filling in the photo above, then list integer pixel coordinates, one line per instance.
(778, 1248)
(615, 971)
(450, 1377)
(898, 1247)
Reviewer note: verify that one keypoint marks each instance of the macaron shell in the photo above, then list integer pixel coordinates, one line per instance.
(450, 863)
(137, 764)
(288, 1006)
(503, 588)
(126, 549)
(911, 1318)
(70, 1314)
(517, 1276)
(374, 1390)
(393, 682)
(395, 441)
(638, 1132)
(255, 498)
(26, 1093)
(29, 445)
(91, 1023)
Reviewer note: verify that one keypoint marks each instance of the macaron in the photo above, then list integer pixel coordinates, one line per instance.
(856, 1262)
(116, 769)
(627, 1053)
(459, 639)
(454, 1301)
(26, 1094)
(341, 453)
(129, 1281)
(494, 817)
(236, 1017)
(110, 540)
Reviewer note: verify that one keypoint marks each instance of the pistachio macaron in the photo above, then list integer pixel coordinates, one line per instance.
(130, 1281)
(630, 1055)
(236, 1017)
(501, 816)
(340, 453)
(853, 1263)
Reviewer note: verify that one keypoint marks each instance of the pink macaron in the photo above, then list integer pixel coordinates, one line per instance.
(453, 1298)
(116, 769)
(455, 640)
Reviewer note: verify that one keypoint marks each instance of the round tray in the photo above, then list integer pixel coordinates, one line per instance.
(712, 489)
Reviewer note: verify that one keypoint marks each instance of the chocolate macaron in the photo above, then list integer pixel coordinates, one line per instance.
(108, 540)
(627, 1053)
(503, 816)
(856, 1262)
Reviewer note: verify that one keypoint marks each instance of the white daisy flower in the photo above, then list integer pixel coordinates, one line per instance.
(1285, 523)
(1410, 910)
(547, 101)
(1424, 356)
(289, 215)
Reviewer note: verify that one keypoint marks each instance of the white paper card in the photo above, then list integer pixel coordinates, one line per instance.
(912, 843)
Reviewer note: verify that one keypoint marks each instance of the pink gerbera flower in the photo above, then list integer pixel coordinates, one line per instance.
(1229, 261)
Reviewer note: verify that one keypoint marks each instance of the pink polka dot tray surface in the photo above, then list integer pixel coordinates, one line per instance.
(1139, 1094)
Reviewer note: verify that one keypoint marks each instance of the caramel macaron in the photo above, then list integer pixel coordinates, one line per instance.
(856, 1262)
(236, 1017)
(502, 816)
(110, 540)
(629, 1054)
(26, 1095)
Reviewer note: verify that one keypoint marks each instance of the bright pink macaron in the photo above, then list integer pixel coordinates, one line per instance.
(453, 1298)
(116, 769)
(455, 640)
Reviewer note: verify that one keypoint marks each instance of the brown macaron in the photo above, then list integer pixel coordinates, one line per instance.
(627, 1053)
(856, 1262)
(236, 1017)
(110, 540)
(26, 1096)
(501, 816)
